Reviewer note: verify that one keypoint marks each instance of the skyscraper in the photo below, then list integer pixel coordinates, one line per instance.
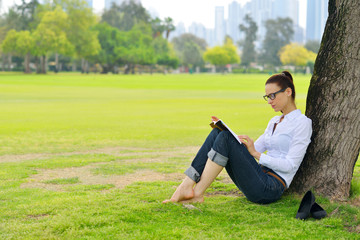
(219, 25)
(236, 16)
(317, 13)
(289, 9)
(198, 30)
(260, 12)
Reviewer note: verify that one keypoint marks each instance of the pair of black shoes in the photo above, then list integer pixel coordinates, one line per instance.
(308, 207)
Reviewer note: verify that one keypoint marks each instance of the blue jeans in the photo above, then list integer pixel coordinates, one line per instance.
(222, 148)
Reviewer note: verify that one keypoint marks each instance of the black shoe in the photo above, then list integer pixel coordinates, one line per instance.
(305, 206)
(317, 212)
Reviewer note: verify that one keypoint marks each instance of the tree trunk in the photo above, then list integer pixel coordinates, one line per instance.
(333, 105)
(3, 62)
(26, 63)
(9, 60)
(56, 62)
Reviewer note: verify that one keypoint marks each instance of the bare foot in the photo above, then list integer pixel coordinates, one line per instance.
(182, 193)
(198, 199)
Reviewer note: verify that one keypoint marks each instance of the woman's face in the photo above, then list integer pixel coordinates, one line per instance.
(281, 99)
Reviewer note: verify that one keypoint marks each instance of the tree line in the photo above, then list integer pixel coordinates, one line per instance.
(68, 34)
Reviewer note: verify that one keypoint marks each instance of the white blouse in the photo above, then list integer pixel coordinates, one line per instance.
(286, 146)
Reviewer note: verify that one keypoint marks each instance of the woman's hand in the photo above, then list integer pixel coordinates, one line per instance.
(214, 119)
(249, 143)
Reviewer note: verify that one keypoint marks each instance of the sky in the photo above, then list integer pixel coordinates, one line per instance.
(186, 11)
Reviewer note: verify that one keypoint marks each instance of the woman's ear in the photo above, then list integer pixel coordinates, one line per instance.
(288, 92)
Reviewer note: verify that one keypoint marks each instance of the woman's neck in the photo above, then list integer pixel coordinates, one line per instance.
(289, 108)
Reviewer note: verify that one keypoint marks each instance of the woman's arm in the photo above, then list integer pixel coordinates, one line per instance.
(296, 153)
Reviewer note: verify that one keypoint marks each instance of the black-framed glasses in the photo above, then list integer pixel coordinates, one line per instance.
(272, 96)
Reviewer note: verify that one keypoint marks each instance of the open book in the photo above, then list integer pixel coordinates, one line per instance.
(223, 127)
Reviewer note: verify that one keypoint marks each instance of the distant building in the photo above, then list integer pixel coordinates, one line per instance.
(260, 12)
(210, 37)
(289, 9)
(317, 13)
(179, 30)
(198, 30)
(235, 18)
(220, 26)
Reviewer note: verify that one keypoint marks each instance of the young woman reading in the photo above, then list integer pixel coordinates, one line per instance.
(285, 139)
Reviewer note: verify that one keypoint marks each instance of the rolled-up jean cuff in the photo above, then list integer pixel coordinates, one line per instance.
(218, 158)
(193, 174)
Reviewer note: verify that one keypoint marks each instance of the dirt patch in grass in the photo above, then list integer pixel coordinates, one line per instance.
(115, 151)
(85, 176)
(50, 178)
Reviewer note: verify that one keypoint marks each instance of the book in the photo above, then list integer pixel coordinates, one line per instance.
(223, 127)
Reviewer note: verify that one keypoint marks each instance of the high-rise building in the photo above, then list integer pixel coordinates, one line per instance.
(219, 25)
(210, 37)
(260, 12)
(236, 16)
(198, 30)
(108, 3)
(289, 9)
(179, 30)
(317, 13)
(286, 8)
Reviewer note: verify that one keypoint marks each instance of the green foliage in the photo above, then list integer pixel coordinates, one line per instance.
(222, 55)
(81, 19)
(279, 32)
(189, 49)
(164, 52)
(108, 38)
(126, 16)
(248, 46)
(296, 55)
(9, 43)
(313, 46)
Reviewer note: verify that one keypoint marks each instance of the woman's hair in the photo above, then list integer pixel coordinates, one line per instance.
(283, 80)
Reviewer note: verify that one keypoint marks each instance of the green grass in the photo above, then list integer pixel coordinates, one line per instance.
(144, 122)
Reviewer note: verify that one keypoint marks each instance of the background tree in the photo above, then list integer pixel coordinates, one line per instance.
(313, 46)
(126, 16)
(220, 56)
(169, 26)
(50, 36)
(279, 32)
(164, 53)
(248, 46)
(8, 45)
(333, 105)
(157, 27)
(190, 49)
(109, 39)
(296, 55)
(81, 34)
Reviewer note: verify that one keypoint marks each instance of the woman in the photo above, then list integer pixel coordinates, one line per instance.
(285, 139)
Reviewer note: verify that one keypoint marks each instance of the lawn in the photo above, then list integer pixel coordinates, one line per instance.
(93, 156)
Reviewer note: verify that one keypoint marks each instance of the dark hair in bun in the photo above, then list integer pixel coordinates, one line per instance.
(283, 80)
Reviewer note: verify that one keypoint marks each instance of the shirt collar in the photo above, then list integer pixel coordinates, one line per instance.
(290, 116)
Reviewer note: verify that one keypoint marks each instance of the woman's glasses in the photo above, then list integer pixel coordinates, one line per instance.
(272, 96)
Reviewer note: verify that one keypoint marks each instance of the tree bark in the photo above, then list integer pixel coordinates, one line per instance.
(27, 63)
(333, 105)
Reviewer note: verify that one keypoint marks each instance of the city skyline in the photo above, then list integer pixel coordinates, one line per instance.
(185, 11)
(227, 18)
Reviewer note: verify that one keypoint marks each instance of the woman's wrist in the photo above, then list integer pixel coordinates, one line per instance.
(256, 155)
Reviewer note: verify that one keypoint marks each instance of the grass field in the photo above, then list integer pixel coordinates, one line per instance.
(93, 156)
